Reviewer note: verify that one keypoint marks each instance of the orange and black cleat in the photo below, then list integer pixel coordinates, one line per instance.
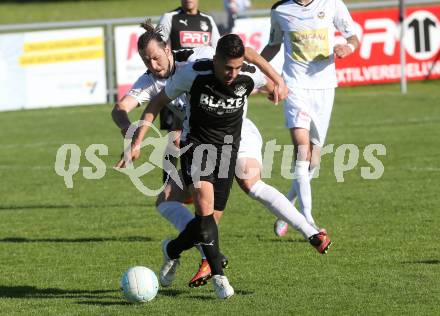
(204, 273)
(321, 242)
(202, 276)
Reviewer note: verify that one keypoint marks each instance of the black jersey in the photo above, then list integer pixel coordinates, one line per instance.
(188, 31)
(214, 110)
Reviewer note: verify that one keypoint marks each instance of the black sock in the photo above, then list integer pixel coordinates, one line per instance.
(185, 240)
(200, 230)
(208, 239)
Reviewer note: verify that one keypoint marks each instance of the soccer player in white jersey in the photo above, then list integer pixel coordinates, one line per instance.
(307, 30)
(184, 27)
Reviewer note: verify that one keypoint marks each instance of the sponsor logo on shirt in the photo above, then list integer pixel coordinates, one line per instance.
(219, 105)
(310, 45)
(240, 90)
(204, 26)
(194, 38)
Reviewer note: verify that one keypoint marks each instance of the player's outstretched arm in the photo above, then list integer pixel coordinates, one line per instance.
(344, 50)
(150, 113)
(148, 116)
(120, 112)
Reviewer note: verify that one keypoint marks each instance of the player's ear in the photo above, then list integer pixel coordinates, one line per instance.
(167, 50)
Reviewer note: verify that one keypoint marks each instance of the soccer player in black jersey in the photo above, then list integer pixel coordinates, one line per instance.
(161, 64)
(218, 91)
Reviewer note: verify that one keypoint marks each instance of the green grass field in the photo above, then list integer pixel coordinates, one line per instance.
(62, 251)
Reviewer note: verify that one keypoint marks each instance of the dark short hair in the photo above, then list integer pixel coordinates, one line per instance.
(151, 33)
(230, 46)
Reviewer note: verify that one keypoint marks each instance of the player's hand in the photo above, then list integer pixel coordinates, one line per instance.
(279, 93)
(131, 153)
(282, 90)
(342, 50)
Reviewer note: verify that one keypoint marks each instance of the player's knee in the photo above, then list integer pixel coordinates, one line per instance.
(303, 152)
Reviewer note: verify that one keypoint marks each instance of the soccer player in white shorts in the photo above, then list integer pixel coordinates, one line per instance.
(248, 176)
(307, 30)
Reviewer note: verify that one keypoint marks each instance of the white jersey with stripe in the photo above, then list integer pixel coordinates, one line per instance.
(308, 34)
(147, 86)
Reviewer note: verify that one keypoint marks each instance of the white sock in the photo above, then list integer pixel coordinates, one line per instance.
(291, 195)
(280, 206)
(178, 215)
(301, 184)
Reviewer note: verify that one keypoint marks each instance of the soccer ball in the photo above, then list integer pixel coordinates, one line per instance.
(139, 284)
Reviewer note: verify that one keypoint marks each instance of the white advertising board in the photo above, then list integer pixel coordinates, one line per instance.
(52, 68)
(129, 65)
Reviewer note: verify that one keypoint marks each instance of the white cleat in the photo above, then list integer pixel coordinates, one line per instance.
(167, 273)
(222, 287)
(280, 227)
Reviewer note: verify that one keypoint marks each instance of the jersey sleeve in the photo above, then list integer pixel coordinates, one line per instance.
(201, 53)
(215, 34)
(276, 33)
(165, 25)
(258, 78)
(180, 82)
(143, 89)
(343, 21)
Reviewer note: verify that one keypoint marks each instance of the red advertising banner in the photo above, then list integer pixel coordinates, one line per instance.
(378, 58)
(375, 61)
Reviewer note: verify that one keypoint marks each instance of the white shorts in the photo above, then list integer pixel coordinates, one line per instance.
(251, 142)
(310, 109)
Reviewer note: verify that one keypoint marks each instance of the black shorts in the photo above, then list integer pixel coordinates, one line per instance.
(222, 165)
(170, 121)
